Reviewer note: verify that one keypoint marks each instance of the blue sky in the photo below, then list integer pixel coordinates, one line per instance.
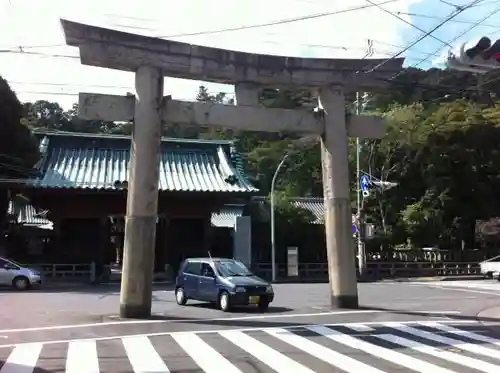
(52, 71)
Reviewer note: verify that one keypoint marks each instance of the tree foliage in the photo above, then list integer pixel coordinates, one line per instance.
(18, 148)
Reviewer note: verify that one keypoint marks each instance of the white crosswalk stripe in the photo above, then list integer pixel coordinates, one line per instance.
(143, 356)
(424, 347)
(82, 351)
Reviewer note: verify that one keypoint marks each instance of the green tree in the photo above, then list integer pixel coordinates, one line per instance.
(18, 148)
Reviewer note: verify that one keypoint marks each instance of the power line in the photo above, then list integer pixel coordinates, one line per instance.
(49, 93)
(450, 4)
(70, 84)
(40, 54)
(418, 40)
(427, 16)
(279, 22)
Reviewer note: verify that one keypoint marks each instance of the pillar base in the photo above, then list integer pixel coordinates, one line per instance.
(133, 311)
(344, 301)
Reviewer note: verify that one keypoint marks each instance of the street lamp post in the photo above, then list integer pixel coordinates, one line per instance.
(273, 241)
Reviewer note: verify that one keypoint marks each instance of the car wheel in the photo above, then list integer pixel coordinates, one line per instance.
(21, 283)
(224, 302)
(180, 296)
(263, 306)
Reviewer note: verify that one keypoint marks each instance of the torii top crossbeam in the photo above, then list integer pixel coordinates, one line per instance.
(125, 51)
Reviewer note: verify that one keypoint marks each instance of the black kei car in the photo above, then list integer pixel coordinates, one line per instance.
(226, 282)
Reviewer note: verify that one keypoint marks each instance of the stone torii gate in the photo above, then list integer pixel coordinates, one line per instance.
(151, 59)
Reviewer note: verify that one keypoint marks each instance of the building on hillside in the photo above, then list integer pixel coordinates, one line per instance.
(82, 186)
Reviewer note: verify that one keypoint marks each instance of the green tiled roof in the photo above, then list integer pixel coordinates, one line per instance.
(226, 217)
(314, 205)
(101, 162)
(27, 214)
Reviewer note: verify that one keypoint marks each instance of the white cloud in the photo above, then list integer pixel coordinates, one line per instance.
(36, 23)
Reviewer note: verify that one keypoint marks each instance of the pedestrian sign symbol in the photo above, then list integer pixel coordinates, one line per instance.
(364, 182)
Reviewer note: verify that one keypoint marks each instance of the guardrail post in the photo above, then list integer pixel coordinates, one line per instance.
(92, 273)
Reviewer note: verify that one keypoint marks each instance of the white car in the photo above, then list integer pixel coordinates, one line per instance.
(491, 267)
(17, 275)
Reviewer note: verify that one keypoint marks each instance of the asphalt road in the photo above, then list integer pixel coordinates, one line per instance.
(299, 333)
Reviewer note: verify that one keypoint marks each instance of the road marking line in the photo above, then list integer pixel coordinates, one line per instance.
(387, 354)
(143, 356)
(82, 357)
(445, 355)
(477, 349)
(272, 358)
(346, 363)
(420, 322)
(126, 322)
(466, 333)
(23, 359)
(206, 357)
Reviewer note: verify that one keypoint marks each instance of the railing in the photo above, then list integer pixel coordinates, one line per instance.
(307, 271)
(312, 271)
(64, 271)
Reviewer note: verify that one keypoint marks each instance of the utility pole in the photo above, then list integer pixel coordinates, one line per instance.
(359, 209)
(359, 201)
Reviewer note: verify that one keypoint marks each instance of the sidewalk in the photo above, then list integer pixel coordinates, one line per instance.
(83, 284)
(388, 279)
(489, 316)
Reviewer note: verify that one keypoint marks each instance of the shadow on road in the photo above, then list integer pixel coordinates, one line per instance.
(242, 309)
(22, 368)
(80, 289)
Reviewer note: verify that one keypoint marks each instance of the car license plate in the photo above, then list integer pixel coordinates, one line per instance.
(253, 300)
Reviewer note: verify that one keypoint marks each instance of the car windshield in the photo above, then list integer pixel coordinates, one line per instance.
(229, 268)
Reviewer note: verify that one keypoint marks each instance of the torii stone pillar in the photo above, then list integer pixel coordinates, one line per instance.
(142, 198)
(151, 57)
(338, 213)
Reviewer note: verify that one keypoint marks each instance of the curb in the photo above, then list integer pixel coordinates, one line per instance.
(438, 278)
(489, 317)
